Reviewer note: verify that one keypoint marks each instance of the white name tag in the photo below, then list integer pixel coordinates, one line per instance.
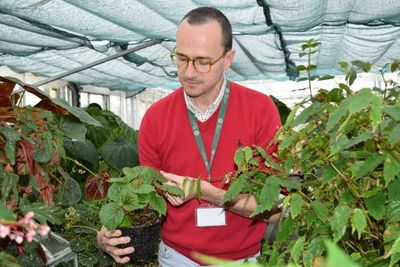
(210, 216)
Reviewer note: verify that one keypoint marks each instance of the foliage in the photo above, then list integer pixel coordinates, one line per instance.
(140, 187)
(344, 144)
(32, 178)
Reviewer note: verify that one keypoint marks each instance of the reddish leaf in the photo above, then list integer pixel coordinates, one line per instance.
(49, 105)
(6, 89)
(97, 186)
(46, 189)
(25, 161)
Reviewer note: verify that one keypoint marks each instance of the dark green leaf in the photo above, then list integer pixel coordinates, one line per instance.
(119, 153)
(320, 210)
(352, 77)
(84, 151)
(297, 250)
(285, 230)
(343, 65)
(326, 77)
(369, 165)
(394, 189)
(376, 205)
(73, 128)
(394, 136)
(234, 189)
(390, 169)
(393, 111)
(6, 214)
(143, 189)
(45, 213)
(10, 145)
(8, 260)
(393, 211)
(70, 189)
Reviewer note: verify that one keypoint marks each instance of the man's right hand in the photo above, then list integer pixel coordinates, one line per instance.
(108, 242)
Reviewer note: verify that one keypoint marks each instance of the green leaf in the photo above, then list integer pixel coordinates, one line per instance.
(315, 108)
(234, 189)
(339, 222)
(320, 210)
(10, 145)
(393, 211)
(336, 257)
(158, 203)
(6, 214)
(45, 213)
(376, 205)
(394, 136)
(248, 153)
(82, 151)
(393, 111)
(297, 249)
(296, 205)
(8, 260)
(129, 200)
(394, 189)
(352, 77)
(375, 114)
(285, 230)
(119, 153)
(358, 222)
(79, 113)
(326, 77)
(336, 116)
(70, 190)
(173, 190)
(240, 160)
(73, 128)
(369, 165)
(390, 169)
(343, 65)
(395, 247)
(111, 215)
(143, 189)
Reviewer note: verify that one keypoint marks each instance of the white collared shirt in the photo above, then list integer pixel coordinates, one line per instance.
(203, 116)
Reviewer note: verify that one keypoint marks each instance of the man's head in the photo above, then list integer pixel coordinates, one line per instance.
(203, 51)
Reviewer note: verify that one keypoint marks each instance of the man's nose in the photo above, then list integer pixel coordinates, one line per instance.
(190, 70)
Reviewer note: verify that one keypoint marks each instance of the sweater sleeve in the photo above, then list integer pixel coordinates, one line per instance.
(147, 143)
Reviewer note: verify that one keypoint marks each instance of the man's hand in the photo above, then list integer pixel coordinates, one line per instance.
(108, 242)
(178, 181)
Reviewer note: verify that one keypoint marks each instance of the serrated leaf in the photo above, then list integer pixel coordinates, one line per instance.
(285, 230)
(111, 215)
(240, 159)
(358, 222)
(173, 190)
(158, 203)
(143, 189)
(320, 210)
(376, 114)
(376, 205)
(394, 136)
(395, 247)
(393, 211)
(369, 165)
(45, 213)
(340, 219)
(297, 249)
(234, 189)
(10, 145)
(248, 153)
(296, 204)
(394, 189)
(390, 169)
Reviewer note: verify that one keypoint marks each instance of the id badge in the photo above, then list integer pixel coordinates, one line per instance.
(210, 216)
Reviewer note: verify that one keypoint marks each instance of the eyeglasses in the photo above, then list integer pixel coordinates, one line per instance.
(201, 65)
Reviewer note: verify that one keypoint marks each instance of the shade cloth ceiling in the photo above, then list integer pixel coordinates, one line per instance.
(49, 37)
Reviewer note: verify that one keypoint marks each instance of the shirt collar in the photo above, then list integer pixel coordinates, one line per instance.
(203, 116)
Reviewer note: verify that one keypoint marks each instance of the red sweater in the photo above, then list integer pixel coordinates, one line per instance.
(166, 142)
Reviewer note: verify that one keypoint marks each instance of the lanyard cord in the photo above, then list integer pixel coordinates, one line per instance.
(217, 133)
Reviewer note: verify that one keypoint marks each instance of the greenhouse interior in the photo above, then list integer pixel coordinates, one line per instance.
(303, 128)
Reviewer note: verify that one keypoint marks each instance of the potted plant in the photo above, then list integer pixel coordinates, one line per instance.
(135, 205)
(344, 145)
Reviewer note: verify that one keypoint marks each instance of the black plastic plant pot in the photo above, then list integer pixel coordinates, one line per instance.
(144, 239)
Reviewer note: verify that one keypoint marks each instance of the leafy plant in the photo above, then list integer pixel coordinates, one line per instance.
(344, 145)
(139, 188)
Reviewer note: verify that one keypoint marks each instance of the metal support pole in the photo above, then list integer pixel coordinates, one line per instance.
(98, 62)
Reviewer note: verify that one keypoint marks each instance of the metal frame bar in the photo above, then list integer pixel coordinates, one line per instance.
(98, 62)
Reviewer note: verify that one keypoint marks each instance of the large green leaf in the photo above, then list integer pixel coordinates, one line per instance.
(393, 111)
(84, 151)
(393, 211)
(390, 169)
(73, 128)
(394, 189)
(70, 191)
(119, 153)
(336, 257)
(297, 249)
(8, 186)
(285, 230)
(339, 222)
(394, 136)
(111, 215)
(234, 189)
(269, 195)
(79, 113)
(176, 191)
(369, 165)
(143, 189)
(358, 222)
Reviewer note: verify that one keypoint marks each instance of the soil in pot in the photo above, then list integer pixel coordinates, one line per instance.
(144, 234)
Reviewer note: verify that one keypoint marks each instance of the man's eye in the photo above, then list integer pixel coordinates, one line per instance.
(203, 61)
(181, 58)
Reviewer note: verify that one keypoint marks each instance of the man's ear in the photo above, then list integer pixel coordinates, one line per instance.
(229, 58)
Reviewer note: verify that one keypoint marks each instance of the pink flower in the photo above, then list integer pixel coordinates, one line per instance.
(4, 231)
(19, 239)
(30, 235)
(44, 229)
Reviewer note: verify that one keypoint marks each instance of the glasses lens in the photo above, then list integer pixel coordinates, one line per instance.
(201, 65)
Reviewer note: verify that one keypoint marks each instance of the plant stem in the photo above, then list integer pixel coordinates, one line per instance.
(85, 227)
(80, 165)
(309, 72)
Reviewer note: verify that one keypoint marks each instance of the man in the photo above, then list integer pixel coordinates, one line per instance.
(193, 133)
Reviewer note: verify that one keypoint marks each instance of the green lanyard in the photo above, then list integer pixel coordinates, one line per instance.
(217, 133)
